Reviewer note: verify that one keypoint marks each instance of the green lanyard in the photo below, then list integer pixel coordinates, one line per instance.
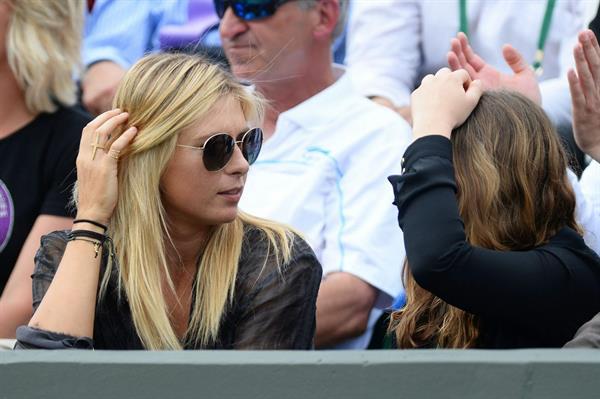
(539, 54)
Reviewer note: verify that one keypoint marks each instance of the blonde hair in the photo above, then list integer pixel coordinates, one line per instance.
(513, 194)
(43, 50)
(164, 94)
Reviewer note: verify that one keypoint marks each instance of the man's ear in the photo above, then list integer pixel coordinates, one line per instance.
(328, 12)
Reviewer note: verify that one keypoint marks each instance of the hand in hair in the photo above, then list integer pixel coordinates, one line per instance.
(523, 80)
(443, 102)
(585, 94)
(97, 169)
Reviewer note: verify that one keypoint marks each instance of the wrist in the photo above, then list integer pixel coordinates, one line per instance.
(96, 216)
(428, 129)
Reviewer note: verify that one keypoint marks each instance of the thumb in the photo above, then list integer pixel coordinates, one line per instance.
(474, 91)
(514, 59)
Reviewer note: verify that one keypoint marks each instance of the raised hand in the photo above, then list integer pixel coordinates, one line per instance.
(443, 102)
(523, 80)
(585, 94)
(97, 165)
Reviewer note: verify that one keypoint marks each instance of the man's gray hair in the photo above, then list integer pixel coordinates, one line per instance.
(342, 18)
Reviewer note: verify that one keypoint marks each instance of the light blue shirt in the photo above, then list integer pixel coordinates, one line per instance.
(123, 31)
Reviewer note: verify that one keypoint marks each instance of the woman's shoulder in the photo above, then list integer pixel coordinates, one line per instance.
(259, 255)
(257, 240)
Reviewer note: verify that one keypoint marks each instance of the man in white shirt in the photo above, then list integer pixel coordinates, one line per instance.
(324, 164)
(392, 44)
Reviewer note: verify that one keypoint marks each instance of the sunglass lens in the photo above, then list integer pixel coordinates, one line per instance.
(250, 10)
(218, 151)
(220, 7)
(252, 144)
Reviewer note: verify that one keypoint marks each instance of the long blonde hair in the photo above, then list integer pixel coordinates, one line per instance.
(513, 194)
(43, 50)
(164, 94)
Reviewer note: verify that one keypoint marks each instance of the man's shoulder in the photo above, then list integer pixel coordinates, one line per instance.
(371, 116)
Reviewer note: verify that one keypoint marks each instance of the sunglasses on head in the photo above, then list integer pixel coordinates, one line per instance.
(218, 148)
(249, 10)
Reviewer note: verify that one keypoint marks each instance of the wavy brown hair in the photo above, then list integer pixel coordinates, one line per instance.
(513, 194)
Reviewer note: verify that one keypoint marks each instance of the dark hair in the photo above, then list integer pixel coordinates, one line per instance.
(513, 194)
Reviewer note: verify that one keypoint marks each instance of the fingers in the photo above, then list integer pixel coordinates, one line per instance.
(442, 72)
(459, 57)
(585, 77)
(471, 58)
(475, 91)
(514, 59)
(453, 62)
(124, 140)
(87, 136)
(107, 128)
(577, 97)
(591, 50)
(100, 119)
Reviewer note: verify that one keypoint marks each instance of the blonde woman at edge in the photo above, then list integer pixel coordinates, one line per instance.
(39, 135)
(164, 172)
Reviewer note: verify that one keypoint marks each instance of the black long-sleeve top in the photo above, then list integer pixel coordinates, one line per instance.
(531, 298)
(274, 304)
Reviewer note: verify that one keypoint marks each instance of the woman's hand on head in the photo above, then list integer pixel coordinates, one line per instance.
(97, 165)
(443, 102)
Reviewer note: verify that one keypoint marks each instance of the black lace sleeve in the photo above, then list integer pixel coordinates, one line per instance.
(277, 304)
(47, 259)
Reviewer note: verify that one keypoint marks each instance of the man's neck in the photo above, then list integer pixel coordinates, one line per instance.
(13, 110)
(283, 95)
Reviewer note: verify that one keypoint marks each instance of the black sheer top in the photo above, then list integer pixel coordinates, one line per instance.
(531, 298)
(273, 308)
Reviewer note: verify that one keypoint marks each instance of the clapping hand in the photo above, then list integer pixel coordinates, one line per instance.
(443, 101)
(585, 94)
(523, 80)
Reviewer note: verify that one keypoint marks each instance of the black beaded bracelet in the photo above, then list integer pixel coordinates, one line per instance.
(97, 224)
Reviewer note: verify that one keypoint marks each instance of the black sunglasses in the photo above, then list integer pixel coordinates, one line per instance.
(218, 148)
(249, 10)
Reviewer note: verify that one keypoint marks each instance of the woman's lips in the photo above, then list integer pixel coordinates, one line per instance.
(233, 195)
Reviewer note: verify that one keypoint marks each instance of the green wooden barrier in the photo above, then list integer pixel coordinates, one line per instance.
(524, 374)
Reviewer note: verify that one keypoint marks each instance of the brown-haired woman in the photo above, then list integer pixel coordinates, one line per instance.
(495, 258)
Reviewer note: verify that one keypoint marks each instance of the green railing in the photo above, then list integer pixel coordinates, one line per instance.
(543, 374)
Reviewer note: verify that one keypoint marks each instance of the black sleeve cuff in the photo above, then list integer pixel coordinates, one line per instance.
(434, 145)
(33, 338)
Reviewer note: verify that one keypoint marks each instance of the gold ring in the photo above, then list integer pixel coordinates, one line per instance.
(114, 154)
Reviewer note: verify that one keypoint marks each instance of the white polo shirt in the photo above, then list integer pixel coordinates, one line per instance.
(324, 172)
(587, 191)
(393, 43)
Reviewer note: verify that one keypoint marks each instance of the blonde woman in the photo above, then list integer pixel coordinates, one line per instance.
(39, 136)
(188, 270)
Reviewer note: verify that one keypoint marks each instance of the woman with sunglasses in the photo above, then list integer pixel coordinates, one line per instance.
(159, 257)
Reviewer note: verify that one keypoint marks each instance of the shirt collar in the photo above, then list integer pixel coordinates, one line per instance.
(320, 108)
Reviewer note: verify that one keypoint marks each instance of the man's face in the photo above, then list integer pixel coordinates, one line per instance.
(269, 49)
